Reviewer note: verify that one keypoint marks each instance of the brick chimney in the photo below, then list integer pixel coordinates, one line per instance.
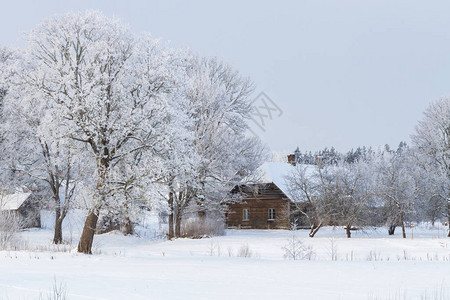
(291, 159)
(294, 158)
(319, 161)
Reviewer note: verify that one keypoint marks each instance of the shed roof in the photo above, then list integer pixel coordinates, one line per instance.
(13, 201)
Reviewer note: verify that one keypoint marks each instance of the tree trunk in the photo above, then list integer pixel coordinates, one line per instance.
(448, 235)
(128, 226)
(201, 215)
(171, 233)
(179, 214)
(314, 230)
(448, 214)
(178, 225)
(402, 221)
(57, 237)
(347, 230)
(391, 229)
(87, 237)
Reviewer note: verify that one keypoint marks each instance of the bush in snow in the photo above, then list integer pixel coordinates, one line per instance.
(208, 226)
(295, 249)
(58, 292)
(9, 227)
(245, 251)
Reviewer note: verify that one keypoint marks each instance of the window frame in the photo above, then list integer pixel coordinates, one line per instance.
(271, 212)
(257, 190)
(246, 214)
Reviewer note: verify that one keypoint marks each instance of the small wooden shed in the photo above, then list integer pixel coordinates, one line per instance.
(24, 205)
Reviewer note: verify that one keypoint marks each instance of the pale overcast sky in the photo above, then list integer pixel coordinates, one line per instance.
(344, 73)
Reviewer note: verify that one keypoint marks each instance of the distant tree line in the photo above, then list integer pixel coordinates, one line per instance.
(330, 156)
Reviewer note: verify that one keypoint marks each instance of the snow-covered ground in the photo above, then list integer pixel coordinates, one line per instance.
(370, 265)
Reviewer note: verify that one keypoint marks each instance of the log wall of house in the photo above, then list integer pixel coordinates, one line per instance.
(29, 213)
(259, 201)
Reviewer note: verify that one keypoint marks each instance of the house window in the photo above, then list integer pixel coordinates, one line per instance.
(271, 213)
(257, 189)
(245, 214)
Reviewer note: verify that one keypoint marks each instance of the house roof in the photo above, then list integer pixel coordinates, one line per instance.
(276, 172)
(13, 201)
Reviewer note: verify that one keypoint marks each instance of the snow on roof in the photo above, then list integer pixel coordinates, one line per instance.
(276, 172)
(13, 201)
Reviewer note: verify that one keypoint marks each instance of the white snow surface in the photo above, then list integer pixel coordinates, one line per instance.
(13, 201)
(370, 265)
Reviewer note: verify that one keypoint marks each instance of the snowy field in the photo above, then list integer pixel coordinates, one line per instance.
(248, 264)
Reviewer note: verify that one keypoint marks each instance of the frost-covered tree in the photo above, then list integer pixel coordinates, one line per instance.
(35, 144)
(332, 193)
(35, 149)
(221, 106)
(107, 90)
(10, 179)
(352, 189)
(304, 185)
(8, 58)
(432, 139)
(397, 186)
(220, 155)
(431, 186)
(128, 120)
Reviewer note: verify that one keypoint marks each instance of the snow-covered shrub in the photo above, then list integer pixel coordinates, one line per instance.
(9, 227)
(214, 248)
(333, 250)
(245, 251)
(295, 249)
(373, 256)
(58, 292)
(109, 222)
(208, 226)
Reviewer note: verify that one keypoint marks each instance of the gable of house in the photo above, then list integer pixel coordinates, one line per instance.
(13, 201)
(24, 205)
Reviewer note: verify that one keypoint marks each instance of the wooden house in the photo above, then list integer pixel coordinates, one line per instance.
(263, 205)
(24, 206)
